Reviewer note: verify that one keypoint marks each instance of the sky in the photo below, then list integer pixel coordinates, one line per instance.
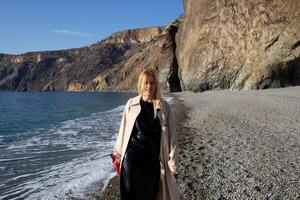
(40, 25)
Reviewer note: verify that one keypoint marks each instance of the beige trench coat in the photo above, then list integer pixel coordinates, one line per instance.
(168, 150)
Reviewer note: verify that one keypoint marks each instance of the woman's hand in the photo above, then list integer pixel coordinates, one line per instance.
(117, 160)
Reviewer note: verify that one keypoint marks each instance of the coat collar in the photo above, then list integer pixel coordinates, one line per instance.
(136, 101)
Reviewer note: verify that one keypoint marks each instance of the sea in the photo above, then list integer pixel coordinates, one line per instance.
(56, 145)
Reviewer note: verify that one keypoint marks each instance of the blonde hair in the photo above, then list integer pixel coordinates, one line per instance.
(157, 98)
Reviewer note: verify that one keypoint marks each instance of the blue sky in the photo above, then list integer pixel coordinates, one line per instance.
(39, 25)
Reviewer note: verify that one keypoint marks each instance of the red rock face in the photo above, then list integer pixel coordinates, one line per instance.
(239, 44)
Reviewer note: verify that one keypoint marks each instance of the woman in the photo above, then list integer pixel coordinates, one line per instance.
(146, 145)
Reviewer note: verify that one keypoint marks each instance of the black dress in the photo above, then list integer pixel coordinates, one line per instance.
(140, 171)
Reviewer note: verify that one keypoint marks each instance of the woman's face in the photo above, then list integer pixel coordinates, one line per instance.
(148, 87)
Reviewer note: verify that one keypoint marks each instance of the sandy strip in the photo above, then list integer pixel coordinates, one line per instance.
(236, 145)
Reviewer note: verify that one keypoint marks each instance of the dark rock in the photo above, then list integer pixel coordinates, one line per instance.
(257, 188)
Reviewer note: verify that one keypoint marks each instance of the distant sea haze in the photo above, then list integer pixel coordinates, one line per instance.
(55, 145)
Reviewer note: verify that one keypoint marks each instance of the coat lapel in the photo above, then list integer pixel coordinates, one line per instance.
(134, 109)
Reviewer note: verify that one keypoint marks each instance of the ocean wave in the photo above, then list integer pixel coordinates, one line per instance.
(73, 155)
(76, 133)
(65, 179)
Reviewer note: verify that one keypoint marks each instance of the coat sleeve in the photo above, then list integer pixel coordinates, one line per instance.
(173, 157)
(119, 142)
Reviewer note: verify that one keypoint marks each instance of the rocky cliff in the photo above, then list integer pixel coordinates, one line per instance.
(216, 44)
(158, 53)
(239, 44)
(111, 64)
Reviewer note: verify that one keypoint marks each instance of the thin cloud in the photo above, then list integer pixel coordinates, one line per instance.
(76, 33)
